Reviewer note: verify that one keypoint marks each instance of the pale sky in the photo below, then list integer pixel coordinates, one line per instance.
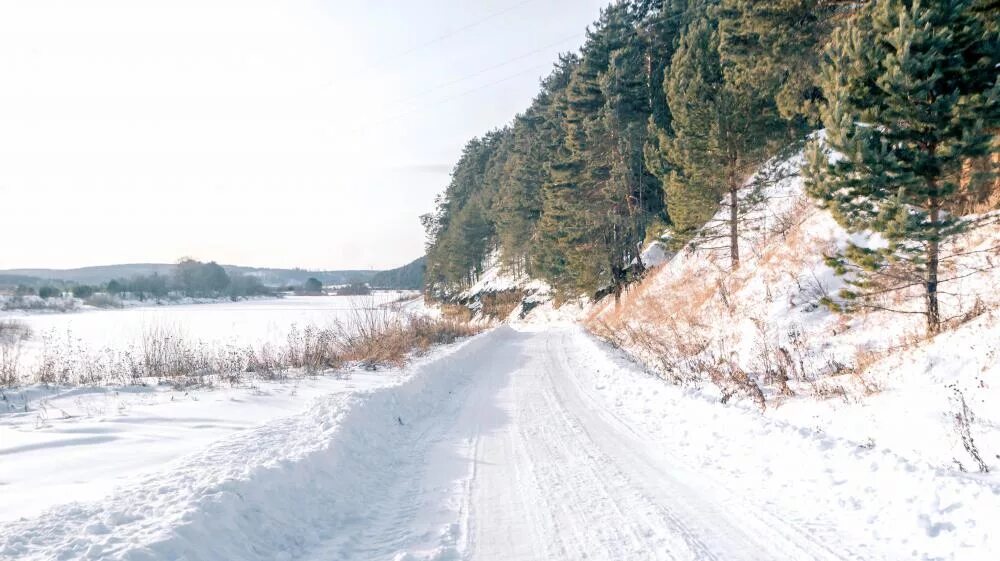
(268, 133)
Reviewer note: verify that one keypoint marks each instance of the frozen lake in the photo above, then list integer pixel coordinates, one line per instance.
(249, 322)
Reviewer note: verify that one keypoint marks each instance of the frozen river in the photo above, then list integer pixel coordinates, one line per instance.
(250, 322)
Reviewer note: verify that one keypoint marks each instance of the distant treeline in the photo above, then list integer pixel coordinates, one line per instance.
(190, 279)
(407, 277)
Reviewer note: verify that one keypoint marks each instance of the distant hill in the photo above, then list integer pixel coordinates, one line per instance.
(104, 273)
(85, 275)
(409, 276)
(10, 280)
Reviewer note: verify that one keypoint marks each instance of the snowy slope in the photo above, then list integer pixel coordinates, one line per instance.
(527, 444)
(495, 278)
(268, 493)
(59, 445)
(872, 377)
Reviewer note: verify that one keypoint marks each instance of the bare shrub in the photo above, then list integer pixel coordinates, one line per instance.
(828, 390)
(376, 338)
(773, 361)
(456, 312)
(963, 419)
(104, 301)
(977, 309)
(863, 360)
(37, 303)
(732, 380)
(311, 349)
(13, 335)
(499, 305)
(371, 335)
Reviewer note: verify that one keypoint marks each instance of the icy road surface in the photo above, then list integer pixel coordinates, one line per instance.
(527, 445)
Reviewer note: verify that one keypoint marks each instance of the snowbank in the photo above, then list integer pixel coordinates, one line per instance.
(810, 480)
(267, 493)
(871, 377)
(58, 445)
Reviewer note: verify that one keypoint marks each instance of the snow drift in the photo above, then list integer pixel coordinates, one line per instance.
(762, 333)
(269, 493)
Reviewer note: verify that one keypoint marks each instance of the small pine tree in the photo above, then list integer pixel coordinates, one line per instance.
(913, 93)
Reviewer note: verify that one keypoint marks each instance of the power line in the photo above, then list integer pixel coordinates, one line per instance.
(452, 97)
(485, 70)
(632, 31)
(465, 27)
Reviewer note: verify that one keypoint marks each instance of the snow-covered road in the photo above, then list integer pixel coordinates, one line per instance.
(528, 445)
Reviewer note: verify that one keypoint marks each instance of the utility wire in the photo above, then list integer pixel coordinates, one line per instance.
(633, 31)
(485, 70)
(452, 97)
(453, 32)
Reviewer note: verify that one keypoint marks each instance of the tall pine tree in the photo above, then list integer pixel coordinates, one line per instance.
(913, 93)
(724, 128)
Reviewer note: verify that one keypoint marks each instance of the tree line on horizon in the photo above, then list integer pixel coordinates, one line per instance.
(670, 109)
(190, 278)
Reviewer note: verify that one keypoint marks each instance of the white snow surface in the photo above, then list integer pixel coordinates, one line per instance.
(252, 322)
(871, 377)
(80, 443)
(655, 254)
(527, 442)
(495, 278)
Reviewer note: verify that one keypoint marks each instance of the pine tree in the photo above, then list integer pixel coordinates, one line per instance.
(550, 240)
(517, 205)
(600, 196)
(463, 227)
(663, 31)
(774, 45)
(724, 128)
(913, 93)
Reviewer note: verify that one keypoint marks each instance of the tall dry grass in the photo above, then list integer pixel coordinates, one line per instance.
(371, 337)
(13, 336)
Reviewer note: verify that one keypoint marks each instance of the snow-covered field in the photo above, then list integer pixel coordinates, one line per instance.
(76, 443)
(247, 322)
(101, 346)
(524, 443)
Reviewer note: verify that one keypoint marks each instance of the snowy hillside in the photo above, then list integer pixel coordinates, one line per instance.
(499, 293)
(763, 334)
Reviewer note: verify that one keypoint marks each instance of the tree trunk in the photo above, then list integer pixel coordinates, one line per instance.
(734, 238)
(933, 259)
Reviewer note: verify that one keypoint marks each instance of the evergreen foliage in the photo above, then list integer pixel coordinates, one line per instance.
(775, 47)
(671, 106)
(407, 277)
(312, 286)
(913, 95)
(726, 124)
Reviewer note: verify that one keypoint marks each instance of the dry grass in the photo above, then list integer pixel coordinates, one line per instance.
(456, 312)
(13, 335)
(671, 320)
(371, 337)
(499, 305)
(379, 338)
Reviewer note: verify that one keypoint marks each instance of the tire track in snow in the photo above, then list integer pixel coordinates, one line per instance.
(742, 539)
(503, 452)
